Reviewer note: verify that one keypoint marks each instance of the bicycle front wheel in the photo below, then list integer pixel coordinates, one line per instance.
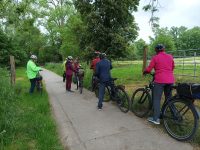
(180, 119)
(123, 100)
(141, 102)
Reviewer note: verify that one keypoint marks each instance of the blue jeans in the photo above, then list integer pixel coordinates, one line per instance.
(33, 83)
(102, 87)
(157, 95)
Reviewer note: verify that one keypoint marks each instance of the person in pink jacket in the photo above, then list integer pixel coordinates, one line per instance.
(163, 64)
(69, 73)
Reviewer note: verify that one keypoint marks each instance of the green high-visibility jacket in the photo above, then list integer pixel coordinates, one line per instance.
(32, 69)
(63, 65)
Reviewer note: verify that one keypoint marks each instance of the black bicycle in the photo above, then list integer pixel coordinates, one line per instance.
(117, 93)
(80, 76)
(178, 113)
(39, 84)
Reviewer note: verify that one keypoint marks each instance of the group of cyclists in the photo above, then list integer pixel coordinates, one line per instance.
(162, 63)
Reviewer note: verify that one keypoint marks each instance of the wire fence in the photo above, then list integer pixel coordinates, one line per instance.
(187, 63)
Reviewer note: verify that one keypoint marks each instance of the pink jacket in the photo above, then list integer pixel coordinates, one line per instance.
(163, 65)
(69, 68)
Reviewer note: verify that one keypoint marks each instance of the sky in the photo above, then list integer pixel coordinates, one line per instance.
(171, 13)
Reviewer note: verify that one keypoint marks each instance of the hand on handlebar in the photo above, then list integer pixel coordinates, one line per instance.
(145, 72)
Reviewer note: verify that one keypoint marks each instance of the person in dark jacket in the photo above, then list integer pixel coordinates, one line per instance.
(69, 73)
(102, 71)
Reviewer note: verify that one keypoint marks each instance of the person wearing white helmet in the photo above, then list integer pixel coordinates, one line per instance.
(32, 71)
(69, 73)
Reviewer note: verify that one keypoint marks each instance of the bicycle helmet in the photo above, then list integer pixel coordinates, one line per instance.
(69, 57)
(97, 52)
(159, 48)
(33, 57)
(103, 55)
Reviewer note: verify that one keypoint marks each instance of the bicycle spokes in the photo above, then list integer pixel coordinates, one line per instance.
(179, 120)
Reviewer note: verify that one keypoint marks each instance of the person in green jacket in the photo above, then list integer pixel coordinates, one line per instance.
(32, 71)
(64, 69)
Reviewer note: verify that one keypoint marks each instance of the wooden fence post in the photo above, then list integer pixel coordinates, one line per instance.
(144, 58)
(12, 70)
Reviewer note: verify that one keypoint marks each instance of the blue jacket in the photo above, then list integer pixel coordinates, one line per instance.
(103, 70)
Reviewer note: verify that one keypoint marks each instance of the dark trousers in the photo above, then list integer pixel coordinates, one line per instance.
(64, 76)
(68, 82)
(102, 87)
(33, 83)
(157, 95)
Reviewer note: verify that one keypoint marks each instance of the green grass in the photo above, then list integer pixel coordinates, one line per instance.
(30, 124)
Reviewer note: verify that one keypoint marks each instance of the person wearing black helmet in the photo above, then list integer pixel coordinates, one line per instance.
(103, 73)
(94, 61)
(163, 64)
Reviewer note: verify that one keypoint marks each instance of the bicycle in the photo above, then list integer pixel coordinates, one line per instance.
(80, 76)
(180, 118)
(39, 84)
(118, 94)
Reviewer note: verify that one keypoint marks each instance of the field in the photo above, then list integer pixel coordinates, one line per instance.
(26, 122)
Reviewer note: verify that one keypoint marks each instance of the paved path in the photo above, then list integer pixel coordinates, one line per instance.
(83, 127)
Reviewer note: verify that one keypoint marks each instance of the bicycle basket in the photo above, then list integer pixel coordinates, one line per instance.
(188, 90)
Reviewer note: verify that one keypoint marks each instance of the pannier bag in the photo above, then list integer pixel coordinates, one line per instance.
(189, 90)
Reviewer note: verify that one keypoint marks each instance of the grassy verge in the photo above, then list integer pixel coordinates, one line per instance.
(28, 123)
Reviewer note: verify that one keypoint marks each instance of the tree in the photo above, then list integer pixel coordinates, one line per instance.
(110, 25)
(140, 44)
(176, 32)
(72, 36)
(163, 37)
(190, 39)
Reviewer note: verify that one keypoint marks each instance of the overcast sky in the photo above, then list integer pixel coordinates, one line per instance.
(171, 13)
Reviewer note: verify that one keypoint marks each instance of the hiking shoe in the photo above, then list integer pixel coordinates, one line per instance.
(157, 122)
(70, 91)
(99, 108)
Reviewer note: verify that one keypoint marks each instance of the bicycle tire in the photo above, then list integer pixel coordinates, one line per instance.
(81, 87)
(123, 100)
(141, 102)
(181, 122)
(41, 88)
(106, 95)
(77, 82)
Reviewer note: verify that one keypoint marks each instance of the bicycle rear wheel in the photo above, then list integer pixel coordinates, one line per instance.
(141, 102)
(180, 119)
(106, 95)
(122, 100)
(81, 86)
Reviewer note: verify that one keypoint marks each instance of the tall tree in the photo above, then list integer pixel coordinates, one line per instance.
(176, 32)
(190, 39)
(140, 44)
(110, 24)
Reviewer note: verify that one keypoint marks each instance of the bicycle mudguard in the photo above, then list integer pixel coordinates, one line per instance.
(197, 111)
(121, 86)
